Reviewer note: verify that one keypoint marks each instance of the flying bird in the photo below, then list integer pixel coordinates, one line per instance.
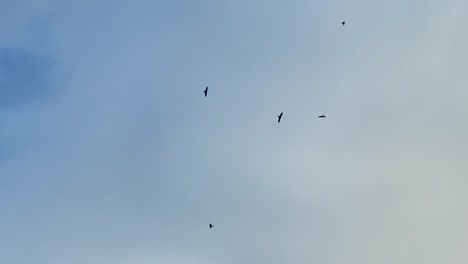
(279, 117)
(206, 91)
(211, 226)
(343, 23)
(322, 116)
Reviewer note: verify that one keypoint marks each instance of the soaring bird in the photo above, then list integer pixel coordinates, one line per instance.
(322, 116)
(343, 23)
(211, 226)
(206, 91)
(279, 117)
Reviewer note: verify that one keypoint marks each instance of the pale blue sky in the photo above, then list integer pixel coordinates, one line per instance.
(109, 153)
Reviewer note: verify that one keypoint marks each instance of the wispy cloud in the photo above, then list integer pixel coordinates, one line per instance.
(129, 162)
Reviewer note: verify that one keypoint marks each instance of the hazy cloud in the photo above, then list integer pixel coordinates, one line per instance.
(129, 162)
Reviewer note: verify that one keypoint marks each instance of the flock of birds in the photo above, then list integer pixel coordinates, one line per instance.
(279, 117)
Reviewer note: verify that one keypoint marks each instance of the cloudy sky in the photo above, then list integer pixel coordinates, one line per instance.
(109, 153)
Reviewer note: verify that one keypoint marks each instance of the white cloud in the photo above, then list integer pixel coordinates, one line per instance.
(130, 162)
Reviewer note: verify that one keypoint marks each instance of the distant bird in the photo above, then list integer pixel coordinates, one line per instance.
(343, 23)
(279, 117)
(322, 116)
(211, 226)
(206, 91)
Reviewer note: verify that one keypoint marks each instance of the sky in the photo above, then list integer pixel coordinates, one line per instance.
(110, 153)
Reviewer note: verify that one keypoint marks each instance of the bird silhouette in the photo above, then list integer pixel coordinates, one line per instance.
(211, 226)
(279, 117)
(206, 91)
(343, 23)
(322, 116)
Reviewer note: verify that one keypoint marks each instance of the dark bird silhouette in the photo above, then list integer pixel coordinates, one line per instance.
(322, 116)
(206, 91)
(343, 23)
(211, 226)
(279, 117)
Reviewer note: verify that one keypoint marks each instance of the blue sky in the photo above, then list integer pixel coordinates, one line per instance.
(109, 153)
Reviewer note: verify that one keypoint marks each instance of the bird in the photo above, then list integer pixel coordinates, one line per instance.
(343, 23)
(322, 116)
(211, 226)
(279, 117)
(206, 91)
